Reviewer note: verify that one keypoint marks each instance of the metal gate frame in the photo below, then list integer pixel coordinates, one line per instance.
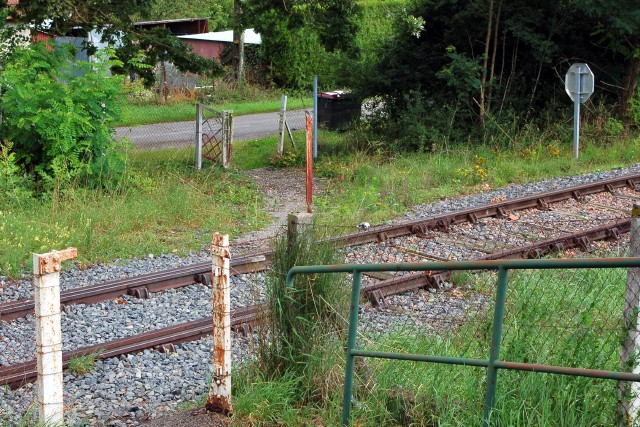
(215, 143)
(493, 363)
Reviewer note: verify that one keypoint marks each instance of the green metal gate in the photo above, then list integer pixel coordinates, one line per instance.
(493, 363)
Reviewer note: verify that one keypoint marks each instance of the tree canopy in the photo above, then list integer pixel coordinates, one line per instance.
(485, 57)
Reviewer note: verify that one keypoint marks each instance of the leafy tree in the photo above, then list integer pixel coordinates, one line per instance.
(486, 57)
(296, 34)
(219, 12)
(59, 116)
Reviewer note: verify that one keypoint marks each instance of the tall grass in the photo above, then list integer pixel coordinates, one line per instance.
(296, 364)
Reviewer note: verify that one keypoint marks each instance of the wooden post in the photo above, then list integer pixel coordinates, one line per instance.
(629, 393)
(281, 125)
(220, 390)
(309, 162)
(46, 283)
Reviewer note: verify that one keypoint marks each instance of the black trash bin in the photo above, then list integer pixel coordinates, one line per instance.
(338, 110)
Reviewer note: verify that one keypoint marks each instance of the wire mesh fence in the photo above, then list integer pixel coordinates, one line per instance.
(569, 318)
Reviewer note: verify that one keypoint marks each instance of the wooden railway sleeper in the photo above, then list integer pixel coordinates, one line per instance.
(442, 225)
(632, 185)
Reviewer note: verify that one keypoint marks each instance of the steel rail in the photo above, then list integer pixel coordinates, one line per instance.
(141, 286)
(242, 319)
(162, 339)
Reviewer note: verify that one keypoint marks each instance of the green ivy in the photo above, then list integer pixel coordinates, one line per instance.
(59, 115)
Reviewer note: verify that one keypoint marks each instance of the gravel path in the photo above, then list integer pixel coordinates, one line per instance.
(133, 389)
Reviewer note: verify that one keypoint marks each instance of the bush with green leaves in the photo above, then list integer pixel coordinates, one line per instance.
(59, 114)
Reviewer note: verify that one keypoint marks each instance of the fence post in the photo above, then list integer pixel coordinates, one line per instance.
(281, 125)
(315, 117)
(309, 162)
(46, 284)
(198, 136)
(227, 134)
(629, 393)
(220, 390)
(229, 150)
(496, 339)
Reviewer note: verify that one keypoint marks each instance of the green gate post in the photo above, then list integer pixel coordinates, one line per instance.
(351, 343)
(496, 338)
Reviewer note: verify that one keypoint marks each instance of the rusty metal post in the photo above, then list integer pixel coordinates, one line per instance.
(309, 162)
(629, 394)
(220, 390)
(46, 283)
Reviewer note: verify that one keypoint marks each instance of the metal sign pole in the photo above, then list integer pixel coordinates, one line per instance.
(576, 114)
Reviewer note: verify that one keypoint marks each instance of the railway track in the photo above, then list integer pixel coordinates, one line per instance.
(376, 291)
(142, 286)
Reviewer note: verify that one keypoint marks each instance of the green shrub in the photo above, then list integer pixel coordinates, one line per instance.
(59, 114)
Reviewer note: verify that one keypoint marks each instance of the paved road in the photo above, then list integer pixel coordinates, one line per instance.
(182, 134)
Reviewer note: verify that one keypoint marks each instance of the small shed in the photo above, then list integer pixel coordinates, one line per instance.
(211, 45)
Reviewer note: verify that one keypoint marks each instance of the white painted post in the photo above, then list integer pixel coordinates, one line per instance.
(220, 390)
(46, 283)
(630, 393)
(198, 136)
(282, 125)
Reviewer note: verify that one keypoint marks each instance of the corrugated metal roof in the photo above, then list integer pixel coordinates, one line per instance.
(250, 36)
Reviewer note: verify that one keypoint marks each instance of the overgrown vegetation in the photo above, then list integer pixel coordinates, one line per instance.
(305, 326)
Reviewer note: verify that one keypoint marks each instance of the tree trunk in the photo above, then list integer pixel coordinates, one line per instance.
(238, 42)
(485, 61)
(629, 86)
(493, 56)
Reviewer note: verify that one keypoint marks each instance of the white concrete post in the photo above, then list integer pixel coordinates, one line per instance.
(46, 283)
(630, 393)
(220, 390)
(282, 125)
